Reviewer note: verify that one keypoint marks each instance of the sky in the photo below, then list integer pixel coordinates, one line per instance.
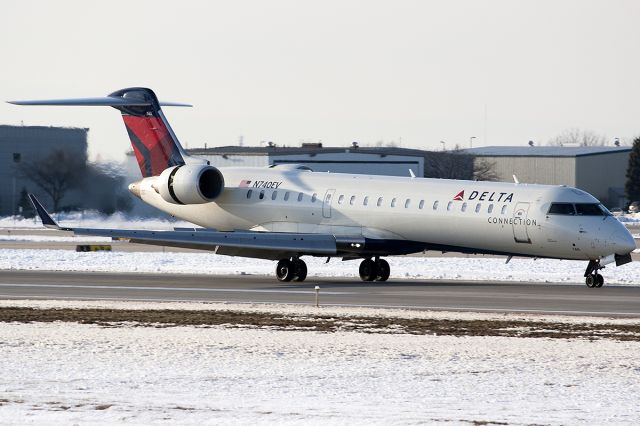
(413, 73)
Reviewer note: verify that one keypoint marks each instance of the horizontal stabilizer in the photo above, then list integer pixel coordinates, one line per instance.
(101, 101)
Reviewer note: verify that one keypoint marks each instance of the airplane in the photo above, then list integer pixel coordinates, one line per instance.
(285, 212)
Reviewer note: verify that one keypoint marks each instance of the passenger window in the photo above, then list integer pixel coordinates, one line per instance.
(449, 205)
(340, 199)
(562, 209)
(589, 210)
(314, 197)
(464, 207)
(286, 196)
(435, 205)
(504, 209)
(262, 194)
(249, 192)
(274, 195)
(406, 203)
(393, 202)
(379, 201)
(478, 207)
(365, 201)
(352, 200)
(421, 204)
(300, 195)
(490, 209)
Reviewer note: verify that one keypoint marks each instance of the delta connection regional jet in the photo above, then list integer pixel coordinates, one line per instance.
(286, 212)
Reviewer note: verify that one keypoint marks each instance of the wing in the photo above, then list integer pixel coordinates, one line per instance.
(264, 245)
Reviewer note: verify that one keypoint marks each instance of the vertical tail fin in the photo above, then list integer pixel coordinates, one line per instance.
(155, 145)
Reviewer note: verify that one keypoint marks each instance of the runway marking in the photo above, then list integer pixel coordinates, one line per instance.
(342, 305)
(195, 289)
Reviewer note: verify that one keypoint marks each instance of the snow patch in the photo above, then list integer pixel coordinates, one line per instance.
(70, 373)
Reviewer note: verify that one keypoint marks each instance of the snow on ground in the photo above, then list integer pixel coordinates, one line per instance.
(56, 373)
(91, 219)
(53, 239)
(424, 268)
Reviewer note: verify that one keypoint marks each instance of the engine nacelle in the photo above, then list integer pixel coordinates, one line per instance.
(190, 184)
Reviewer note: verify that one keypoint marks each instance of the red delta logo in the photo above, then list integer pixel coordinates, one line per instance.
(459, 196)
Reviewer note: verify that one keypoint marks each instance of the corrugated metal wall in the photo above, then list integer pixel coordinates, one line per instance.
(598, 174)
(542, 170)
(359, 163)
(601, 175)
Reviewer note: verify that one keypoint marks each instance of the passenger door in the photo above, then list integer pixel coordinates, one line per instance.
(520, 233)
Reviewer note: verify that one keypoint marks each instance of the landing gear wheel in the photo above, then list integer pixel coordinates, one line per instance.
(599, 280)
(285, 270)
(368, 270)
(592, 278)
(300, 267)
(384, 270)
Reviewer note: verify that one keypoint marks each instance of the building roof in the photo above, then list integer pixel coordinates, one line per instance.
(4, 127)
(544, 151)
(304, 150)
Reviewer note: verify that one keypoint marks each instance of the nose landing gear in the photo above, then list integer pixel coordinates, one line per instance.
(592, 278)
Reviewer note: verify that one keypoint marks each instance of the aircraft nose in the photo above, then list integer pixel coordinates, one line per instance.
(623, 242)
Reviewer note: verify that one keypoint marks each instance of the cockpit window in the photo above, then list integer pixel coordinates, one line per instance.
(562, 208)
(589, 210)
(605, 210)
(583, 209)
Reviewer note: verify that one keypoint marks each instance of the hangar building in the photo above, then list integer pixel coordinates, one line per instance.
(599, 170)
(19, 144)
(353, 159)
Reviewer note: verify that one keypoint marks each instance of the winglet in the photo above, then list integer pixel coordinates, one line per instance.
(46, 219)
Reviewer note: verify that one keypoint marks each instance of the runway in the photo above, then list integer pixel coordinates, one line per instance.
(435, 295)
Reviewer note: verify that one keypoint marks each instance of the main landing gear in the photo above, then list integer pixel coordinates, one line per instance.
(295, 269)
(592, 278)
(378, 270)
(291, 270)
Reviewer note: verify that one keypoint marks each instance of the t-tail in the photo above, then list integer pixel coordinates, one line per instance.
(155, 145)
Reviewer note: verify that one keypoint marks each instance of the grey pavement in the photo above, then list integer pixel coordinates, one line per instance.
(436, 295)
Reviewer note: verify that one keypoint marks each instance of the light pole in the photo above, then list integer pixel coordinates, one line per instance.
(471, 141)
(443, 148)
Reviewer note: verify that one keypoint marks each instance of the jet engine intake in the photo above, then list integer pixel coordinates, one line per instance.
(190, 184)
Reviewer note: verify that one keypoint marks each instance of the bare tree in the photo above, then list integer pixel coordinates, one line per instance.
(578, 137)
(484, 170)
(56, 174)
(448, 165)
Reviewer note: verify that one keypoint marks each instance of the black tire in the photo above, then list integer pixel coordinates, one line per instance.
(300, 273)
(384, 270)
(590, 280)
(284, 270)
(368, 270)
(599, 280)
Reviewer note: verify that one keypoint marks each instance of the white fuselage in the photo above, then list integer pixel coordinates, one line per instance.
(488, 216)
